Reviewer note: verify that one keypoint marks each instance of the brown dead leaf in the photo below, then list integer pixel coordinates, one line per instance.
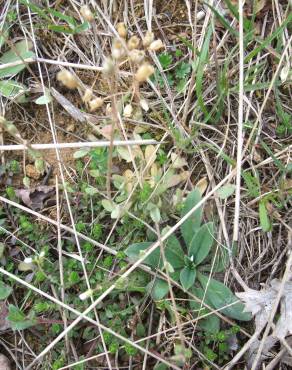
(177, 161)
(259, 5)
(202, 185)
(150, 155)
(35, 198)
(106, 131)
(260, 304)
(32, 172)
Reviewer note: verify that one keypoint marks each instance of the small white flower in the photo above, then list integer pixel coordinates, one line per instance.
(28, 260)
(192, 258)
(42, 254)
(85, 295)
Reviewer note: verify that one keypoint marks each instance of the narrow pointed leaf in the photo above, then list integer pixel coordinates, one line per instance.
(192, 224)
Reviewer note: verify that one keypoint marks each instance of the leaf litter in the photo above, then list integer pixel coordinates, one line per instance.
(260, 303)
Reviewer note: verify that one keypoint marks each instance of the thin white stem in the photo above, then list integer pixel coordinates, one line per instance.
(240, 123)
(50, 61)
(88, 144)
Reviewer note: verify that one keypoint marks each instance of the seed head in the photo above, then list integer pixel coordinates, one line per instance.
(86, 13)
(87, 95)
(148, 38)
(118, 51)
(144, 72)
(67, 79)
(121, 29)
(136, 56)
(95, 104)
(156, 45)
(133, 43)
(128, 111)
(108, 66)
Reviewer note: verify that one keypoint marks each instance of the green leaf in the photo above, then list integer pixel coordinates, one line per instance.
(226, 191)
(90, 190)
(219, 296)
(5, 290)
(155, 214)
(11, 88)
(108, 205)
(200, 74)
(4, 34)
(159, 288)
(187, 277)
(165, 60)
(81, 153)
(70, 20)
(210, 324)
(2, 247)
(252, 184)
(201, 243)
(266, 42)
(18, 319)
(192, 224)
(182, 70)
(160, 366)
(22, 47)
(222, 20)
(44, 99)
(264, 218)
(180, 87)
(173, 252)
(135, 251)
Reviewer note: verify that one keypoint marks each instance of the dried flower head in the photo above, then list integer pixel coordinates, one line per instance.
(67, 79)
(144, 105)
(121, 29)
(108, 66)
(108, 109)
(87, 96)
(136, 56)
(95, 104)
(128, 111)
(133, 43)
(86, 13)
(156, 45)
(144, 72)
(118, 51)
(148, 39)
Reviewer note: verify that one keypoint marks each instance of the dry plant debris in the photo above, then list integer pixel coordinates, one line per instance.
(125, 248)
